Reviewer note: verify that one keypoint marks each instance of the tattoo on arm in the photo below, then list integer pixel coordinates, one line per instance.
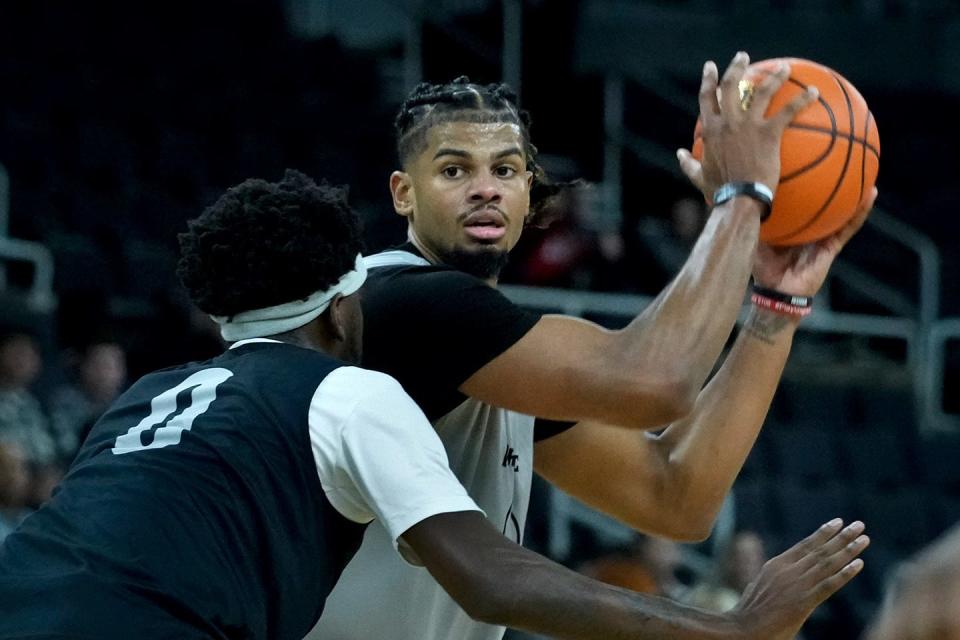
(765, 326)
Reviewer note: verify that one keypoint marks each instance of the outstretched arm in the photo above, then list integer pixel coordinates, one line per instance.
(651, 372)
(673, 484)
(499, 582)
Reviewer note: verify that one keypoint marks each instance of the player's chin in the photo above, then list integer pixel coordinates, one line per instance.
(483, 260)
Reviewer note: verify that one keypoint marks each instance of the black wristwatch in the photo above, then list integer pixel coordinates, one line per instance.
(756, 190)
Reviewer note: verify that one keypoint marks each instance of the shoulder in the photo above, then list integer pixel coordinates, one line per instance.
(357, 385)
(349, 393)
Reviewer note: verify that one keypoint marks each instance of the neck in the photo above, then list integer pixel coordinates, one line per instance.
(415, 240)
(309, 338)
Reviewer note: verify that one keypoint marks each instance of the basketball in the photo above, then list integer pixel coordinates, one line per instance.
(829, 157)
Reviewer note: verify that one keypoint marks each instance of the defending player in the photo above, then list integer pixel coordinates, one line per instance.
(221, 499)
(479, 366)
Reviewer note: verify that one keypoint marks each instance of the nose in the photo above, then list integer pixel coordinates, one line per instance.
(484, 188)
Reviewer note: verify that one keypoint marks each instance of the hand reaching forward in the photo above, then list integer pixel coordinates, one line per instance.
(791, 585)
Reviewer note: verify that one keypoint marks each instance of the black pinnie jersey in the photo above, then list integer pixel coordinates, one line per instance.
(222, 499)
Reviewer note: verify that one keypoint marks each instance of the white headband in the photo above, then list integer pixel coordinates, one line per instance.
(288, 316)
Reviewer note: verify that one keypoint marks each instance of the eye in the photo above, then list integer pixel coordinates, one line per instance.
(505, 171)
(453, 171)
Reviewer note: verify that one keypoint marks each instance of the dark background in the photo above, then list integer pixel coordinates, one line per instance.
(119, 121)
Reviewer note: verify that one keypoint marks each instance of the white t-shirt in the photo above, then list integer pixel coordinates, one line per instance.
(377, 456)
(381, 596)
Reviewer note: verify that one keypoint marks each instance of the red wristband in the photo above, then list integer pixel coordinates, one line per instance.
(778, 306)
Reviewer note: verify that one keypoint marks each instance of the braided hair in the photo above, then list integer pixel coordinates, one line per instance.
(462, 101)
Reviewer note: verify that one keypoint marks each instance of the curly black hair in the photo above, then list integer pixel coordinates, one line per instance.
(462, 101)
(265, 243)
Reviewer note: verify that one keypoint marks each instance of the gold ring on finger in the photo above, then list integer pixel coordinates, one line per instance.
(746, 88)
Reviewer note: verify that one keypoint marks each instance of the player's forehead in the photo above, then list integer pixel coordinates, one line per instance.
(479, 139)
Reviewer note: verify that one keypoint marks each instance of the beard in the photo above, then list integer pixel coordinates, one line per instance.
(484, 262)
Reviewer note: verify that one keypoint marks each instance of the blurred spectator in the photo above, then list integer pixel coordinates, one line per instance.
(648, 566)
(570, 245)
(923, 602)
(99, 376)
(738, 564)
(22, 420)
(14, 487)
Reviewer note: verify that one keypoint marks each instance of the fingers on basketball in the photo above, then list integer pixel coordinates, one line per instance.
(768, 85)
(790, 110)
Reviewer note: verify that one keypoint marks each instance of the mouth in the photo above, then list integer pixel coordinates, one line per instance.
(486, 225)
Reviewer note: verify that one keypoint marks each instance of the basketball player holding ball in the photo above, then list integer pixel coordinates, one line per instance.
(481, 368)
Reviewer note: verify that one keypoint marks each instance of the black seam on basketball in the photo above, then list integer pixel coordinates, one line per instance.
(843, 173)
(833, 138)
(848, 136)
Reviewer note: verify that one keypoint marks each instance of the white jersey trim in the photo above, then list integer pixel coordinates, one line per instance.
(397, 257)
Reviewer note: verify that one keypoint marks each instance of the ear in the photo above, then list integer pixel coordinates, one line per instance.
(401, 188)
(338, 319)
(529, 179)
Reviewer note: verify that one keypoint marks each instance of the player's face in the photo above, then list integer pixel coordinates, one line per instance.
(467, 195)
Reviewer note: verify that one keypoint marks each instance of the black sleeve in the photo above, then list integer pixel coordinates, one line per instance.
(434, 327)
(543, 428)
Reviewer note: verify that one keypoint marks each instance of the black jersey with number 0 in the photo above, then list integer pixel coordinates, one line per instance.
(194, 510)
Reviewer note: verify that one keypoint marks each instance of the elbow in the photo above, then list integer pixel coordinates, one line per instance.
(683, 512)
(680, 390)
(684, 529)
(679, 398)
(693, 531)
(671, 399)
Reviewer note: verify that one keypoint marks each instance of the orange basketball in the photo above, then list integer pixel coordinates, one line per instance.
(829, 156)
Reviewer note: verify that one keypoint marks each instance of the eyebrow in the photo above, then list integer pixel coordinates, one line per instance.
(512, 151)
(460, 153)
(446, 151)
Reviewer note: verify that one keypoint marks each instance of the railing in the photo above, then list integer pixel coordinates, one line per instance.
(935, 348)
(40, 295)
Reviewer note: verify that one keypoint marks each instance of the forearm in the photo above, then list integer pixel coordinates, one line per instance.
(682, 333)
(706, 450)
(499, 582)
(546, 598)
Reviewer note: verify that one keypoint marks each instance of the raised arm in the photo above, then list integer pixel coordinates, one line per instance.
(499, 582)
(673, 484)
(650, 373)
